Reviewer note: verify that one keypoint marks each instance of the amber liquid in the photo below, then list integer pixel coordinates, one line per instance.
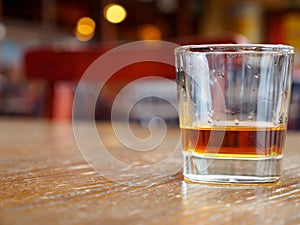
(234, 141)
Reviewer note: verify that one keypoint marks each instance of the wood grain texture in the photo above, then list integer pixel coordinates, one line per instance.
(45, 180)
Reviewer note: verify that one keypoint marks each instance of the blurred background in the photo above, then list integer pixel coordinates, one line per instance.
(42, 39)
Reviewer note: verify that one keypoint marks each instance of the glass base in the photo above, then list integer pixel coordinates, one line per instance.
(213, 169)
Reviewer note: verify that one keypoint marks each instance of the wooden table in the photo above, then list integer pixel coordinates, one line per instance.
(45, 180)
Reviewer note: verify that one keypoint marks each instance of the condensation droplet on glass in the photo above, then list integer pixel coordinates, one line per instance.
(211, 113)
(249, 67)
(281, 118)
(274, 114)
(250, 117)
(210, 120)
(285, 119)
(213, 81)
(256, 76)
(251, 134)
(211, 48)
(228, 111)
(220, 74)
(236, 122)
(284, 94)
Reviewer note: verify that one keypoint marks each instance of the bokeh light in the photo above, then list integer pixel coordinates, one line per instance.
(114, 13)
(85, 29)
(149, 32)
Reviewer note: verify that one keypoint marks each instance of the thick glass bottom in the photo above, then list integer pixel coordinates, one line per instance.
(230, 169)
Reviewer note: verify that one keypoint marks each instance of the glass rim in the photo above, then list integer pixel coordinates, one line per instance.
(235, 48)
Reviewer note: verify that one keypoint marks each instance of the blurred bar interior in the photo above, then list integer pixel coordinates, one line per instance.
(54, 30)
